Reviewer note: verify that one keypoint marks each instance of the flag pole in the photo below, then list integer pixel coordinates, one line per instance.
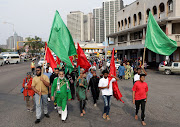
(42, 71)
(144, 55)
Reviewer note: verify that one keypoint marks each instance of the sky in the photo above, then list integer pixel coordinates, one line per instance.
(34, 17)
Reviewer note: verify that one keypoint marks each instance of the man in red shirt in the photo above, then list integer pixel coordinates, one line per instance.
(140, 93)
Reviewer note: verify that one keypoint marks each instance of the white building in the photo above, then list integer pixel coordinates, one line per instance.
(132, 23)
(12, 41)
(98, 25)
(80, 25)
(110, 9)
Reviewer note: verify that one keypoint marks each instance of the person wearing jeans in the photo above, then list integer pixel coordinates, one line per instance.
(40, 84)
(107, 92)
(39, 105)
(107, 103)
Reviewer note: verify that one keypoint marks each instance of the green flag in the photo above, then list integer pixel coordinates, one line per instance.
(156, 40)
(61, 42)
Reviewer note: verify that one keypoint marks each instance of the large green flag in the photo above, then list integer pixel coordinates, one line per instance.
(61, 42)
(156, 40)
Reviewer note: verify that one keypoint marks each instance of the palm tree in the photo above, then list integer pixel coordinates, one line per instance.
(34, 44)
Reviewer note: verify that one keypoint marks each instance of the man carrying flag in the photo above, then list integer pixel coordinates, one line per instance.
(107, 92)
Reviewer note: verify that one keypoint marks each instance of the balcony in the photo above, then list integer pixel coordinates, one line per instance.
(136, 42)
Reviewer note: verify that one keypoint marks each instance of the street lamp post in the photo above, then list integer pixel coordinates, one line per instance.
(13, 33)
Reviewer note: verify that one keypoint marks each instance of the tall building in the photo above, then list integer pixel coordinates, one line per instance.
(110, 9)
(88, 27)
(75, 25)
(98, 25)
(80, 25)
(12, 41)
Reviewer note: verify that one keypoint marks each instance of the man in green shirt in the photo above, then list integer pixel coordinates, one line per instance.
(61, 90)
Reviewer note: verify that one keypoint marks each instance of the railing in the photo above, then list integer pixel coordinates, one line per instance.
(136, 42)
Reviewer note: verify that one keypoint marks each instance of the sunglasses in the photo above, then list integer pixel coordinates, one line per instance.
(37, 70)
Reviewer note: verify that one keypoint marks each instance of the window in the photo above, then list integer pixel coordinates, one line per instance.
(139, 15)
(175, 64)
(119, 24)
(154, 10)
(161, 7)
(14, 57)
(135, 19)
(170, 5)
(125, 21)
(129, 20)
(147, 12)
(122, 22)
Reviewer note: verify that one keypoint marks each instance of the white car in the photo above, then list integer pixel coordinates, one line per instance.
(11, 58)
(40, 63)
(1, 60)
(117, 64)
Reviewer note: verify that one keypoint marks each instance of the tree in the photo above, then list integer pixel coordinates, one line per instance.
(34, 46)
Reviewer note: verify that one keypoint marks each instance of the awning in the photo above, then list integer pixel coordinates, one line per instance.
(139, 46)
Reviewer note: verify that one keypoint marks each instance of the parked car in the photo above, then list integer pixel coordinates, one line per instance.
(117, 64)
(11, 58)
(1, 60)
(173, 68)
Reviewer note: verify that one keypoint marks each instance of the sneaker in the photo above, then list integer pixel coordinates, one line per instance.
(95, 105)
(55, 107)
(49, 99)
(31, 111)
(37, 121)
(28, 110)
(104, 116)
(108, 117)
(46, 115)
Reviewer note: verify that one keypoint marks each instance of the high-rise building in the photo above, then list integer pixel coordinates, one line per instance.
(80, 25)
(98, 25)
(88, 27)
(12, 41)
(75, 25)
(110, 9)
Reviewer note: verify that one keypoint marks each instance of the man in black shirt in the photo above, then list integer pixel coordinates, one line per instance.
(93, 83)
(52, 77)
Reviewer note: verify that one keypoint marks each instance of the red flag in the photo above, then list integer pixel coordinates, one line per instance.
(82, 60)
(71, 59)
(116, 92)
(58, 61)
(49, 57)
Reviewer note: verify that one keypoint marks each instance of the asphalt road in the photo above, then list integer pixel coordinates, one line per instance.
(162, 109)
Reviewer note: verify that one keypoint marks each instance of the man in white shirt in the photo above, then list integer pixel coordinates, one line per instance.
(50, 69)
(137, 76)
(107, 92)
